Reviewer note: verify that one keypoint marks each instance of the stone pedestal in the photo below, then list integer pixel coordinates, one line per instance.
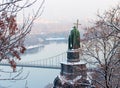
(72, 75)
(73, 55)
(73, 72)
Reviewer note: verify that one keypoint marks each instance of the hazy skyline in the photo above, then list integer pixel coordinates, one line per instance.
(66, 12)
(71, 10)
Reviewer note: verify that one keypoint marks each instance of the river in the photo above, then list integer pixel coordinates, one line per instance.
(38, 77)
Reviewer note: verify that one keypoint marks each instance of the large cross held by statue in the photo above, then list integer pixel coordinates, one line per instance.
(77, 24)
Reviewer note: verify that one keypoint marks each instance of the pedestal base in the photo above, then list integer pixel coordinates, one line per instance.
(72, 70)
(73, 75)
(62, 82)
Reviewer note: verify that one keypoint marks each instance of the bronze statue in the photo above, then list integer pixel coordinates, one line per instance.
(74, 39)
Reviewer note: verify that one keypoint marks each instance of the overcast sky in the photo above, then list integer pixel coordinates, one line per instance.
(68, 11)
(71, 10)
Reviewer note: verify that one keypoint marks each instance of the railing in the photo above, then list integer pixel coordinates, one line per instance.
(51, 62)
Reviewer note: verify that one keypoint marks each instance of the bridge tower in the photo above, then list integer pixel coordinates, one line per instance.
(73, 72)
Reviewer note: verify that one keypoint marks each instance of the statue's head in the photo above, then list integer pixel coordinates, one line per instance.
(74, 27)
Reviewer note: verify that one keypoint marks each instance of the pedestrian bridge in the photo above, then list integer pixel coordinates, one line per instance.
(51, 62)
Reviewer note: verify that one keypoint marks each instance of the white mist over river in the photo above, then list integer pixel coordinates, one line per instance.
(38, 77)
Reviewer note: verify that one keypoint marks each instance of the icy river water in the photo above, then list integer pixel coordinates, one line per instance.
(38, 77)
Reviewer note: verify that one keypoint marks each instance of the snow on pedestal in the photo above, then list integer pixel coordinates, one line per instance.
(73, 72)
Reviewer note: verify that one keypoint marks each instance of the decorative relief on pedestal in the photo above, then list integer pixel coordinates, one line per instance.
(73, 56)
(72, 70)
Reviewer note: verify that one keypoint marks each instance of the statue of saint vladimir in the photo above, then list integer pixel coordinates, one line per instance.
(74, 39)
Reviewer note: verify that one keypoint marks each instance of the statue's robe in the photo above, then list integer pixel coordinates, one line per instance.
(74, 39)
